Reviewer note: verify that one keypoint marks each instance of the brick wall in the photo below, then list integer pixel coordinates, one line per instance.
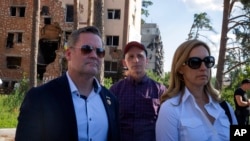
(24, 24)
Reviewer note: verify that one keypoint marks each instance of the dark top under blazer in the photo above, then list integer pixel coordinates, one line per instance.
(47, 113)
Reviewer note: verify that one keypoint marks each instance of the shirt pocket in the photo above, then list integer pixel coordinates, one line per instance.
(192, 129)
(224, 130)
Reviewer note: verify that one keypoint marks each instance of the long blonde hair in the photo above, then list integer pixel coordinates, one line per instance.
(176, 83)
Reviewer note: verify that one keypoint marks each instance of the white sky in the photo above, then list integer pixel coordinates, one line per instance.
(174, 19)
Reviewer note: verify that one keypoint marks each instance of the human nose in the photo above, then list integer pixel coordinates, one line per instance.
(203, 66)
(93, 53)
(135, 59)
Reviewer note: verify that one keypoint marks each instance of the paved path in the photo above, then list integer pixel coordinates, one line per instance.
(7, 134)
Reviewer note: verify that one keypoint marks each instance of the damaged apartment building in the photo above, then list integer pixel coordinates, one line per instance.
(121, 23)
(56, 23)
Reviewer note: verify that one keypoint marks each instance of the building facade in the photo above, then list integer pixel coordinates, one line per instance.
(151, 39)
(121, 23)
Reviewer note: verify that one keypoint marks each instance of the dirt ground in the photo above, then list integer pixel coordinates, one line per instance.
(7, 134)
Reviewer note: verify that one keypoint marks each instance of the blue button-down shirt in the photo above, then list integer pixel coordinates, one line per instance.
(92, 121)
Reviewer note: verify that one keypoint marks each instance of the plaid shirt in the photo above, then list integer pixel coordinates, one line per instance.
(139, 103)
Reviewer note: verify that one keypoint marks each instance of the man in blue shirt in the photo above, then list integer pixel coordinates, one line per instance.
(73, 107)
(138, 96)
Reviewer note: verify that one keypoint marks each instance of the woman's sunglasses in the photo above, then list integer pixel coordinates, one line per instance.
(195, 62)
(87, 49)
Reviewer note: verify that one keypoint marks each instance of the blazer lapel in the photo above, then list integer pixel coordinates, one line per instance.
(65, 99)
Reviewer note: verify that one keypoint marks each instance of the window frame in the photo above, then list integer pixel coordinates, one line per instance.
(112, 40)
(114, 14)
(13, 62)
(14, 37)
(68, 13)
(111, 66)
(17, 11)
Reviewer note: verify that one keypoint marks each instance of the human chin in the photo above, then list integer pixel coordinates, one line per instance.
(92, 71)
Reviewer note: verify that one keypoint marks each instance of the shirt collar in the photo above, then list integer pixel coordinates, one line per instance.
(73, 88)
(187, 95)
(144, 79)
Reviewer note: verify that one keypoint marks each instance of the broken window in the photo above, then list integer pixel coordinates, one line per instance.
(114, 14)
(16, 37)
(112, 40)
(21, 11)
(47, 20)
(67, 33)
(10, 40)
(19, 37)
(17, 11)
(13, 11)
(45, 11)
(13, 62)
(69, 13)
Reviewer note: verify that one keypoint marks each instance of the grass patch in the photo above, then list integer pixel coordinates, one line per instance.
(10, 104)
(8, 117)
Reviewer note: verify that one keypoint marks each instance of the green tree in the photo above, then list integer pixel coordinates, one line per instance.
(15, 98)
(156, 77)
(144, 10)
(228, 91)
(236, 57)
(201, 23)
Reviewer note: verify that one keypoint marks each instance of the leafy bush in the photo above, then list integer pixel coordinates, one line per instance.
(8, 119)
(10, 105)
(162, 80)
(228, 95)
(108, 82)
(14, 100)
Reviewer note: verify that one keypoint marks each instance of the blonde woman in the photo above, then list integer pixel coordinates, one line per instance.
(190, 108)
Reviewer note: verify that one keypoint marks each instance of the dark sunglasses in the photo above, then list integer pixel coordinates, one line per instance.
(87, 49)
(195, 62)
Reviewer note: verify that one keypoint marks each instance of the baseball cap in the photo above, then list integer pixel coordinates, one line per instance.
(245, 81)
(134, 44)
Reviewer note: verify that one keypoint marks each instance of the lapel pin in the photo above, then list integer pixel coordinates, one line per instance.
(108, 100)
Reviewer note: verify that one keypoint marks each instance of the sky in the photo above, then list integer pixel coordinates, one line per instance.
(174, 19)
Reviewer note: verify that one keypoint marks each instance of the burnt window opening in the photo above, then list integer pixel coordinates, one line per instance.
(112, 40)
(41, 69)
(13, 11)
(16, 37)
(47, 20)
(45, 11)
(69, 13)
(5, 84)
(47, 50)
(67, 34)
(10, 40)
(22, 11)
(46, 55)
(8, 86)
(17, 11)
(114, 14)
(13, 62)
(19, 37)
